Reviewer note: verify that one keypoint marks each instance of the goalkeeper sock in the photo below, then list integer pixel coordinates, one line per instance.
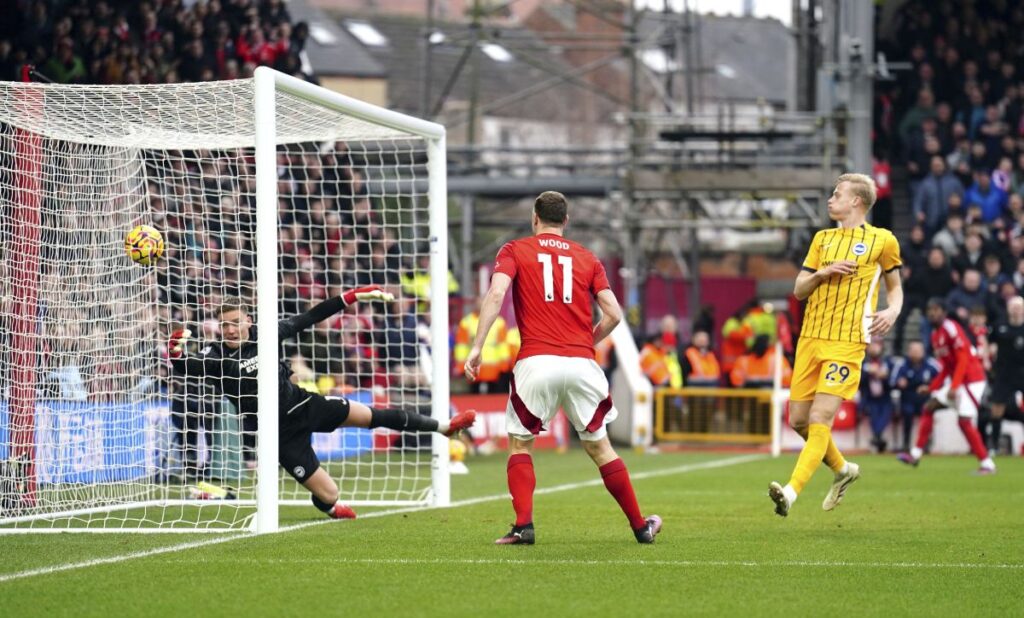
(616, 481)
(818, 436)
(521, 483)
(400, 420)
(321, 505)
(833, 458)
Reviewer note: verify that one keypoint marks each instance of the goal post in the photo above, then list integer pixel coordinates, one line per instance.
(273, 190)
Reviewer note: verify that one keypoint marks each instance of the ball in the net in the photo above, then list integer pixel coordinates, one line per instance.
(144, 244)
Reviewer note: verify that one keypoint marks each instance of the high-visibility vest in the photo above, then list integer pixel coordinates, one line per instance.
(661, 368)
(493, 357)
(762, 323)
(736, 337)
(513, 341)
(704, 368)
(753, 368)
(418, 284)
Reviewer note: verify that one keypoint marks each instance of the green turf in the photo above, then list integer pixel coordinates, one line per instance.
(928, 541)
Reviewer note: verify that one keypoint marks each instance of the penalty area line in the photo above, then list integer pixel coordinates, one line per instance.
(681, 469)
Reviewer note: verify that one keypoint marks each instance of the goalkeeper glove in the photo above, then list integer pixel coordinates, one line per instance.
(176, 344)
(370, 292)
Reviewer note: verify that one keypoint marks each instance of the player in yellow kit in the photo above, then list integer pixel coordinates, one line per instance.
(839, 280)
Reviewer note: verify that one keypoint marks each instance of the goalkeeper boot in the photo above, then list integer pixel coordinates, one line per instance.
(646, 534)
(462, 420)
(842, 481)
(341, 511)
(518, 535)
(778, 496)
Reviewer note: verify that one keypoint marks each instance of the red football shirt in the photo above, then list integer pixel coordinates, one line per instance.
(955, 353)
(554, 281)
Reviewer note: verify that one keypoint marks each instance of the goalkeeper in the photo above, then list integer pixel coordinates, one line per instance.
(231, 366)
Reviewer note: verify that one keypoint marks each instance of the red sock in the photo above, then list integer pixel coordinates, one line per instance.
(924, 431)
(973, 438)
(616, 480)
(521, 483)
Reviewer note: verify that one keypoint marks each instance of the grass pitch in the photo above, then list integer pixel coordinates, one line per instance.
(928, 541)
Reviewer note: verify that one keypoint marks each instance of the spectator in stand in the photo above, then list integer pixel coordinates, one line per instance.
(932, 198)
(988, 197)
(699, 364)
(973, 113)
(737, 335)
(923, 143)
(1017, 175)
(914, 248)
(945, 127)
(65, 67)
(959, 160)
(971, 256)
(908, 376)
(950, 238)
(992, 129)
(994, 275)
(914, 118)
(969, 294)
(659, 358)
(875, 398)
(398, 328)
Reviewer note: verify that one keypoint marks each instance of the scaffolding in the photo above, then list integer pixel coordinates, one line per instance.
(685, 169)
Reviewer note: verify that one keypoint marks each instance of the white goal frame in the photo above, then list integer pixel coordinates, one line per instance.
(267, 84)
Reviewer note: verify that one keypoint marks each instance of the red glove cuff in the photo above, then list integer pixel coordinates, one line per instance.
(349, 296)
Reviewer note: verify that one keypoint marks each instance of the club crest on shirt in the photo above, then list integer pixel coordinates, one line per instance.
(859, 249)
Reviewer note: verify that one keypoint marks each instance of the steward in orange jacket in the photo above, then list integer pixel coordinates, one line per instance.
(700, 366)
(757, 368)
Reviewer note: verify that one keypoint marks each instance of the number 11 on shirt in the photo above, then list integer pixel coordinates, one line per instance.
(549, 279)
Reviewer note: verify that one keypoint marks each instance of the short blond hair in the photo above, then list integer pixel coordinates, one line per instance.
(863, 186)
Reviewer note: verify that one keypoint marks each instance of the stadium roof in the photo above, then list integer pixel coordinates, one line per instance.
(511, 60)
(333, 50)
(743, 58)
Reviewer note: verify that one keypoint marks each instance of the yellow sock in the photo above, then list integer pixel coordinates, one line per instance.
(810, 457)
(833, 458)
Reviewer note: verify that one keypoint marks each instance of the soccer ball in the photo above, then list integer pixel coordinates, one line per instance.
(144, 244)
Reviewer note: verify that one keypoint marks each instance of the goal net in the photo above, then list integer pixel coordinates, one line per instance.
(97, 432)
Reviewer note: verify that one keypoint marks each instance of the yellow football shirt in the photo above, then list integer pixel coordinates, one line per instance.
(837, 309)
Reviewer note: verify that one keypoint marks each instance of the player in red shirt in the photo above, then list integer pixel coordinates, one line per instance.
(959, 385)
(554, 281)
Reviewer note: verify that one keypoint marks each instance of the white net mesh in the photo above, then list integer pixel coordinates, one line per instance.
(95, 430)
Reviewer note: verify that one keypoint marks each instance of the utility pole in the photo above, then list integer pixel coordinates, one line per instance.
(466, 279)
(629, 232)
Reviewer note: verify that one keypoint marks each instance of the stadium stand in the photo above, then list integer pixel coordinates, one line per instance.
(955, 125)
(331, 228)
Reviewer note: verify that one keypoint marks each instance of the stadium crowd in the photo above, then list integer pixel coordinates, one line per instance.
(156, 42)
(956, 125)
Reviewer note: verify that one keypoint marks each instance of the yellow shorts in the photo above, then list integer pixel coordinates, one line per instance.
(823, 366)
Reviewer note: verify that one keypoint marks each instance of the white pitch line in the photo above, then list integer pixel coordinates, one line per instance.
(661, 563)
(682, 469)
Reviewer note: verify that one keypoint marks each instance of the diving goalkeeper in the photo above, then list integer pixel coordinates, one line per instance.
(231, 366)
